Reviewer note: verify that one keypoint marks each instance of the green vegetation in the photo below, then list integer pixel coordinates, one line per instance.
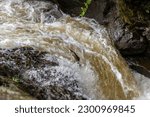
(85, 7)
(16, 79)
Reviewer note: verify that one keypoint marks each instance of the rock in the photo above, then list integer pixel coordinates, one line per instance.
(38, 76)
(135, 21)
(140, 64)
(9, 91)
(100, 10)
(147, 33)
(128, 41)
(128, 37)
(19, 60)
(72, 7)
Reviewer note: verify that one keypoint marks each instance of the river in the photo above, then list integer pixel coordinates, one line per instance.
(87, 65)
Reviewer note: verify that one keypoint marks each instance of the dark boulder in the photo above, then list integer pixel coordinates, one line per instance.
(126, 30)
(147, 33)
(38, 76)
(140, 64)
(72, 7)
(129, 40)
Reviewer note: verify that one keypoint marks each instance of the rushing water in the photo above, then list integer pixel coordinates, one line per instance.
(81, 47)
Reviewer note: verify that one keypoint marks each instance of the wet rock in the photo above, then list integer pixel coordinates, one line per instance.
(16, 61)
(72, 7)
(147, 33)
(53, 84)
(136, 21)
(129, 41)
(140, 64)
(9, 91)
(37, 75)
(102, 10)
(128, 37)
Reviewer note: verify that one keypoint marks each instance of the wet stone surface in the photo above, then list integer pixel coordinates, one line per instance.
(38, 76)
(140, 64)
(10, 91)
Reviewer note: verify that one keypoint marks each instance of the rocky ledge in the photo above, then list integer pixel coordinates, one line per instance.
(29, 72)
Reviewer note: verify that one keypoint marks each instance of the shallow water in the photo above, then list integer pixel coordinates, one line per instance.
(81, 46)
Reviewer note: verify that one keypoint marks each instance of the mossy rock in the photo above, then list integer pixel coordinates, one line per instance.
(132, 11)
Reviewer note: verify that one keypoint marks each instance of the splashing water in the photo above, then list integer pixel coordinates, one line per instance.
(81, 47)
(144, 86)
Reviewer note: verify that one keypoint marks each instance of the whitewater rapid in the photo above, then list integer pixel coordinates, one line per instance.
(101, 72)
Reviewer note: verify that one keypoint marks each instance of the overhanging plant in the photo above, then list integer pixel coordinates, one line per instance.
(85, 7)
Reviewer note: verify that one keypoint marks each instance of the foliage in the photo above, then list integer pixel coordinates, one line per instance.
(16, 79)
(85, 7)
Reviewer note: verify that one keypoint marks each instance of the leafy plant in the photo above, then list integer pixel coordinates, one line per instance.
(85, 7)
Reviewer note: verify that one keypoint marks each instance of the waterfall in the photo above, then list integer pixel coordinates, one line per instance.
(56, 56)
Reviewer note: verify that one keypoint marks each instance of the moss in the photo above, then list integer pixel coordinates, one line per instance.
(125, 12)
(15, 80)
(132, 12)
(85, 7)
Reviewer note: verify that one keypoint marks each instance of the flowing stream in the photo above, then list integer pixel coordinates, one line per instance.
(87, 64)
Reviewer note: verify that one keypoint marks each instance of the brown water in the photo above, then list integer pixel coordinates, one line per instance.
(82, 47)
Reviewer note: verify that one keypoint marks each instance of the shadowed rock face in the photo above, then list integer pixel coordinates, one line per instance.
(72, 7)
(140, 64)
(125, 29)
(129, 41)
(136, 21)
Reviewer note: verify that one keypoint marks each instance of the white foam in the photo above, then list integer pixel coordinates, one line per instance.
(144, 86)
